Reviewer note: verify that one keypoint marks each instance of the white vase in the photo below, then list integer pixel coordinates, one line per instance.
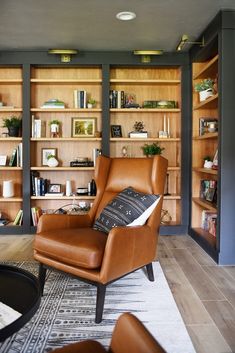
(203, 95)
(89, 105)
(52, 162)
(208, 164)
(8, 188)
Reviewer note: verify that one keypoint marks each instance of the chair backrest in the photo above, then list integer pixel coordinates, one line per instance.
(112, 175)
(130, 335)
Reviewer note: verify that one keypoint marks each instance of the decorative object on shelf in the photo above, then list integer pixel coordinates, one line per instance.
(82, 191)
(207, 125)
(165, 133)
(13, 124)
(95, 153)
(166, 193)
(208, 190)
(54, 189)
(65, 54)
(55, 128)
(53, 104)
(91, 187)
(91, 103)
(68, 188)
(46, 152)
(165, 217)
(162, 104)
(130, 101)
(205, 89)
(116, 131)
(215, 160)
(83, 127)
(138, 130)
(125, 151)
(3, 160)
(98, 134)
(8, 188)
(152, 149)
(38, 127)
(52, 161)
(208, 163)
(81, 162)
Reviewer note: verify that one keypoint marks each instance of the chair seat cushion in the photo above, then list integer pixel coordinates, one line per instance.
(127, 206)
(80, 247)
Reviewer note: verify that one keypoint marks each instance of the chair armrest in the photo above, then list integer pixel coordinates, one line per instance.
(127, 249)
(59, 221)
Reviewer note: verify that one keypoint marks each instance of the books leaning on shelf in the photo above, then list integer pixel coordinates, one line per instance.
(16, 159)
(38, 128)
(18, 219)
(53, 103)
(39, 186)
(208, 190)
(36, 213)
(209, 221)
(116, 99)
(136, 134)
(80, 98)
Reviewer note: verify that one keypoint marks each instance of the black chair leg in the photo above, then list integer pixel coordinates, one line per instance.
(42, 276)
(101, 289)
(149, 269)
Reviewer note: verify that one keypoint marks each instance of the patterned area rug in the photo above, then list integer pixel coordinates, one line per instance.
(67, 312)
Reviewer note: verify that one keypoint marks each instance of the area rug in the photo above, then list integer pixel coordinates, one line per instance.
(67, 313)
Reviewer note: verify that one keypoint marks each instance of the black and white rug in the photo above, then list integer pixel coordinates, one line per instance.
(67, 313)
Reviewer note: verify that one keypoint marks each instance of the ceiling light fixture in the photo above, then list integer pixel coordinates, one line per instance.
(185, 40)
(126, 16)
(146, 54)
(65, 54)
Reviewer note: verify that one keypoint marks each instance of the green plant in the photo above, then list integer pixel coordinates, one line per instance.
(91, 101)
(204, 84)
(50, 156)
(152, 149)
(207, 158)
(13, 121)
(139, 126)
(54, 122)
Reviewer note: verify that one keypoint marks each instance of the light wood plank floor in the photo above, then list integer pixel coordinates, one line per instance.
(203, 291)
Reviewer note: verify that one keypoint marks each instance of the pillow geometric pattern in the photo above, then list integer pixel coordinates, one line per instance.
(127, 206)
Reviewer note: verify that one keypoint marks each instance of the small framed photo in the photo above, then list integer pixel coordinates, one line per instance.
(3, 160)
(47, 152)
(83, 127)
(54, 188)
(116, 131)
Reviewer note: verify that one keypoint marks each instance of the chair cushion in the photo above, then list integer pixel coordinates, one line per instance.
(80, 247)
(126, 207)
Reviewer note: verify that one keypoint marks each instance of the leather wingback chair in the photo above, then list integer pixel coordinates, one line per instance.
(129, 336)
(70, 244)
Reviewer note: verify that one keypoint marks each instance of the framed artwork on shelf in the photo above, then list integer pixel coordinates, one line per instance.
(116, 131)
(3, 160)
(54, 188)
(46, 152)
(83, 127)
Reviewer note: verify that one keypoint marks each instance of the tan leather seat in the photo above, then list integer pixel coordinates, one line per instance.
(68, 242)
(129, 336)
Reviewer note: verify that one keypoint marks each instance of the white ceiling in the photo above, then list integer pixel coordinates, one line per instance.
(89, 25)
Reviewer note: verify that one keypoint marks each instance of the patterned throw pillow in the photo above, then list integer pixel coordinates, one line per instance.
(126, 207)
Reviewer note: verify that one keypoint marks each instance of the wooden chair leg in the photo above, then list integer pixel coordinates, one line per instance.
(42, 277)
(100, 297)
(150, 274)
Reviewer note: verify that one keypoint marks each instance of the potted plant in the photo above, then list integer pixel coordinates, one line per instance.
(91, 103)
(13, 124)
(207, 162)
(52, 161)
(205, 88)
(152, 149)
(55, 128)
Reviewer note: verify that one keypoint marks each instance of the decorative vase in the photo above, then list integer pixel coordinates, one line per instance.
(55, 130)
(89, 105)
(208, 164)
(203, 95)
(52, 162)
(8, 188)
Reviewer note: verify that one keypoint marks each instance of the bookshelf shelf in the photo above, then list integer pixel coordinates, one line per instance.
(63, 169)
(212, 135)
(144, 82)
(144, 110)
(11, 199)
(66, 110)
(210, 103)
(66, 81)
(204, 204)
(206, 171)
(150, 139)
(54, 197)
(66, 139)
(208, 69)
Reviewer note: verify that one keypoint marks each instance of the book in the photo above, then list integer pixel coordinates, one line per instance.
(53, 103)
(36, 213)
(17, 218)
(52, 194)
(209, 221)
(13, 161)
(135, 134)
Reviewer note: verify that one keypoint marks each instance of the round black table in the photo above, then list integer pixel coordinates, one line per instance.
(20, 290)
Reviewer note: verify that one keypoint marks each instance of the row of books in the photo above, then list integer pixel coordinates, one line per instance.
(80, 98)
(16, 159)
(38, 127)
(116, 99)
(53, 103)
(39, 185)
(209, 221)
(36, 213)
(208, 190)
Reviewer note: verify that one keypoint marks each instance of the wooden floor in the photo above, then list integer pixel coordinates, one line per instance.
(203, 291)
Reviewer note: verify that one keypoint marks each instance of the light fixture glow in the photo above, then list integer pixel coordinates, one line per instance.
(65, 54)
(146, 54)
(125, 16)
(185, 40)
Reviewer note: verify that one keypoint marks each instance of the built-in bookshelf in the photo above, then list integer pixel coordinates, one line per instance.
(10, 105)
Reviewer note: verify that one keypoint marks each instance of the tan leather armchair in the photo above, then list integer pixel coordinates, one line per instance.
(129, 336)
(70, 244)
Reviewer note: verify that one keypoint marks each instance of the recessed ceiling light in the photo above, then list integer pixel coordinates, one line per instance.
(125, 16)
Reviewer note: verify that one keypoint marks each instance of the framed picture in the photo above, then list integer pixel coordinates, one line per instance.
(116, 131)
(83, 127)
(54, 188)
(47, 152)
(3, 160)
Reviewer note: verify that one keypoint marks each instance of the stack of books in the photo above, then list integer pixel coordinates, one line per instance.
(80, 98)
(138, 134)
(209, 221)
(53, 103)
(116, 99)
